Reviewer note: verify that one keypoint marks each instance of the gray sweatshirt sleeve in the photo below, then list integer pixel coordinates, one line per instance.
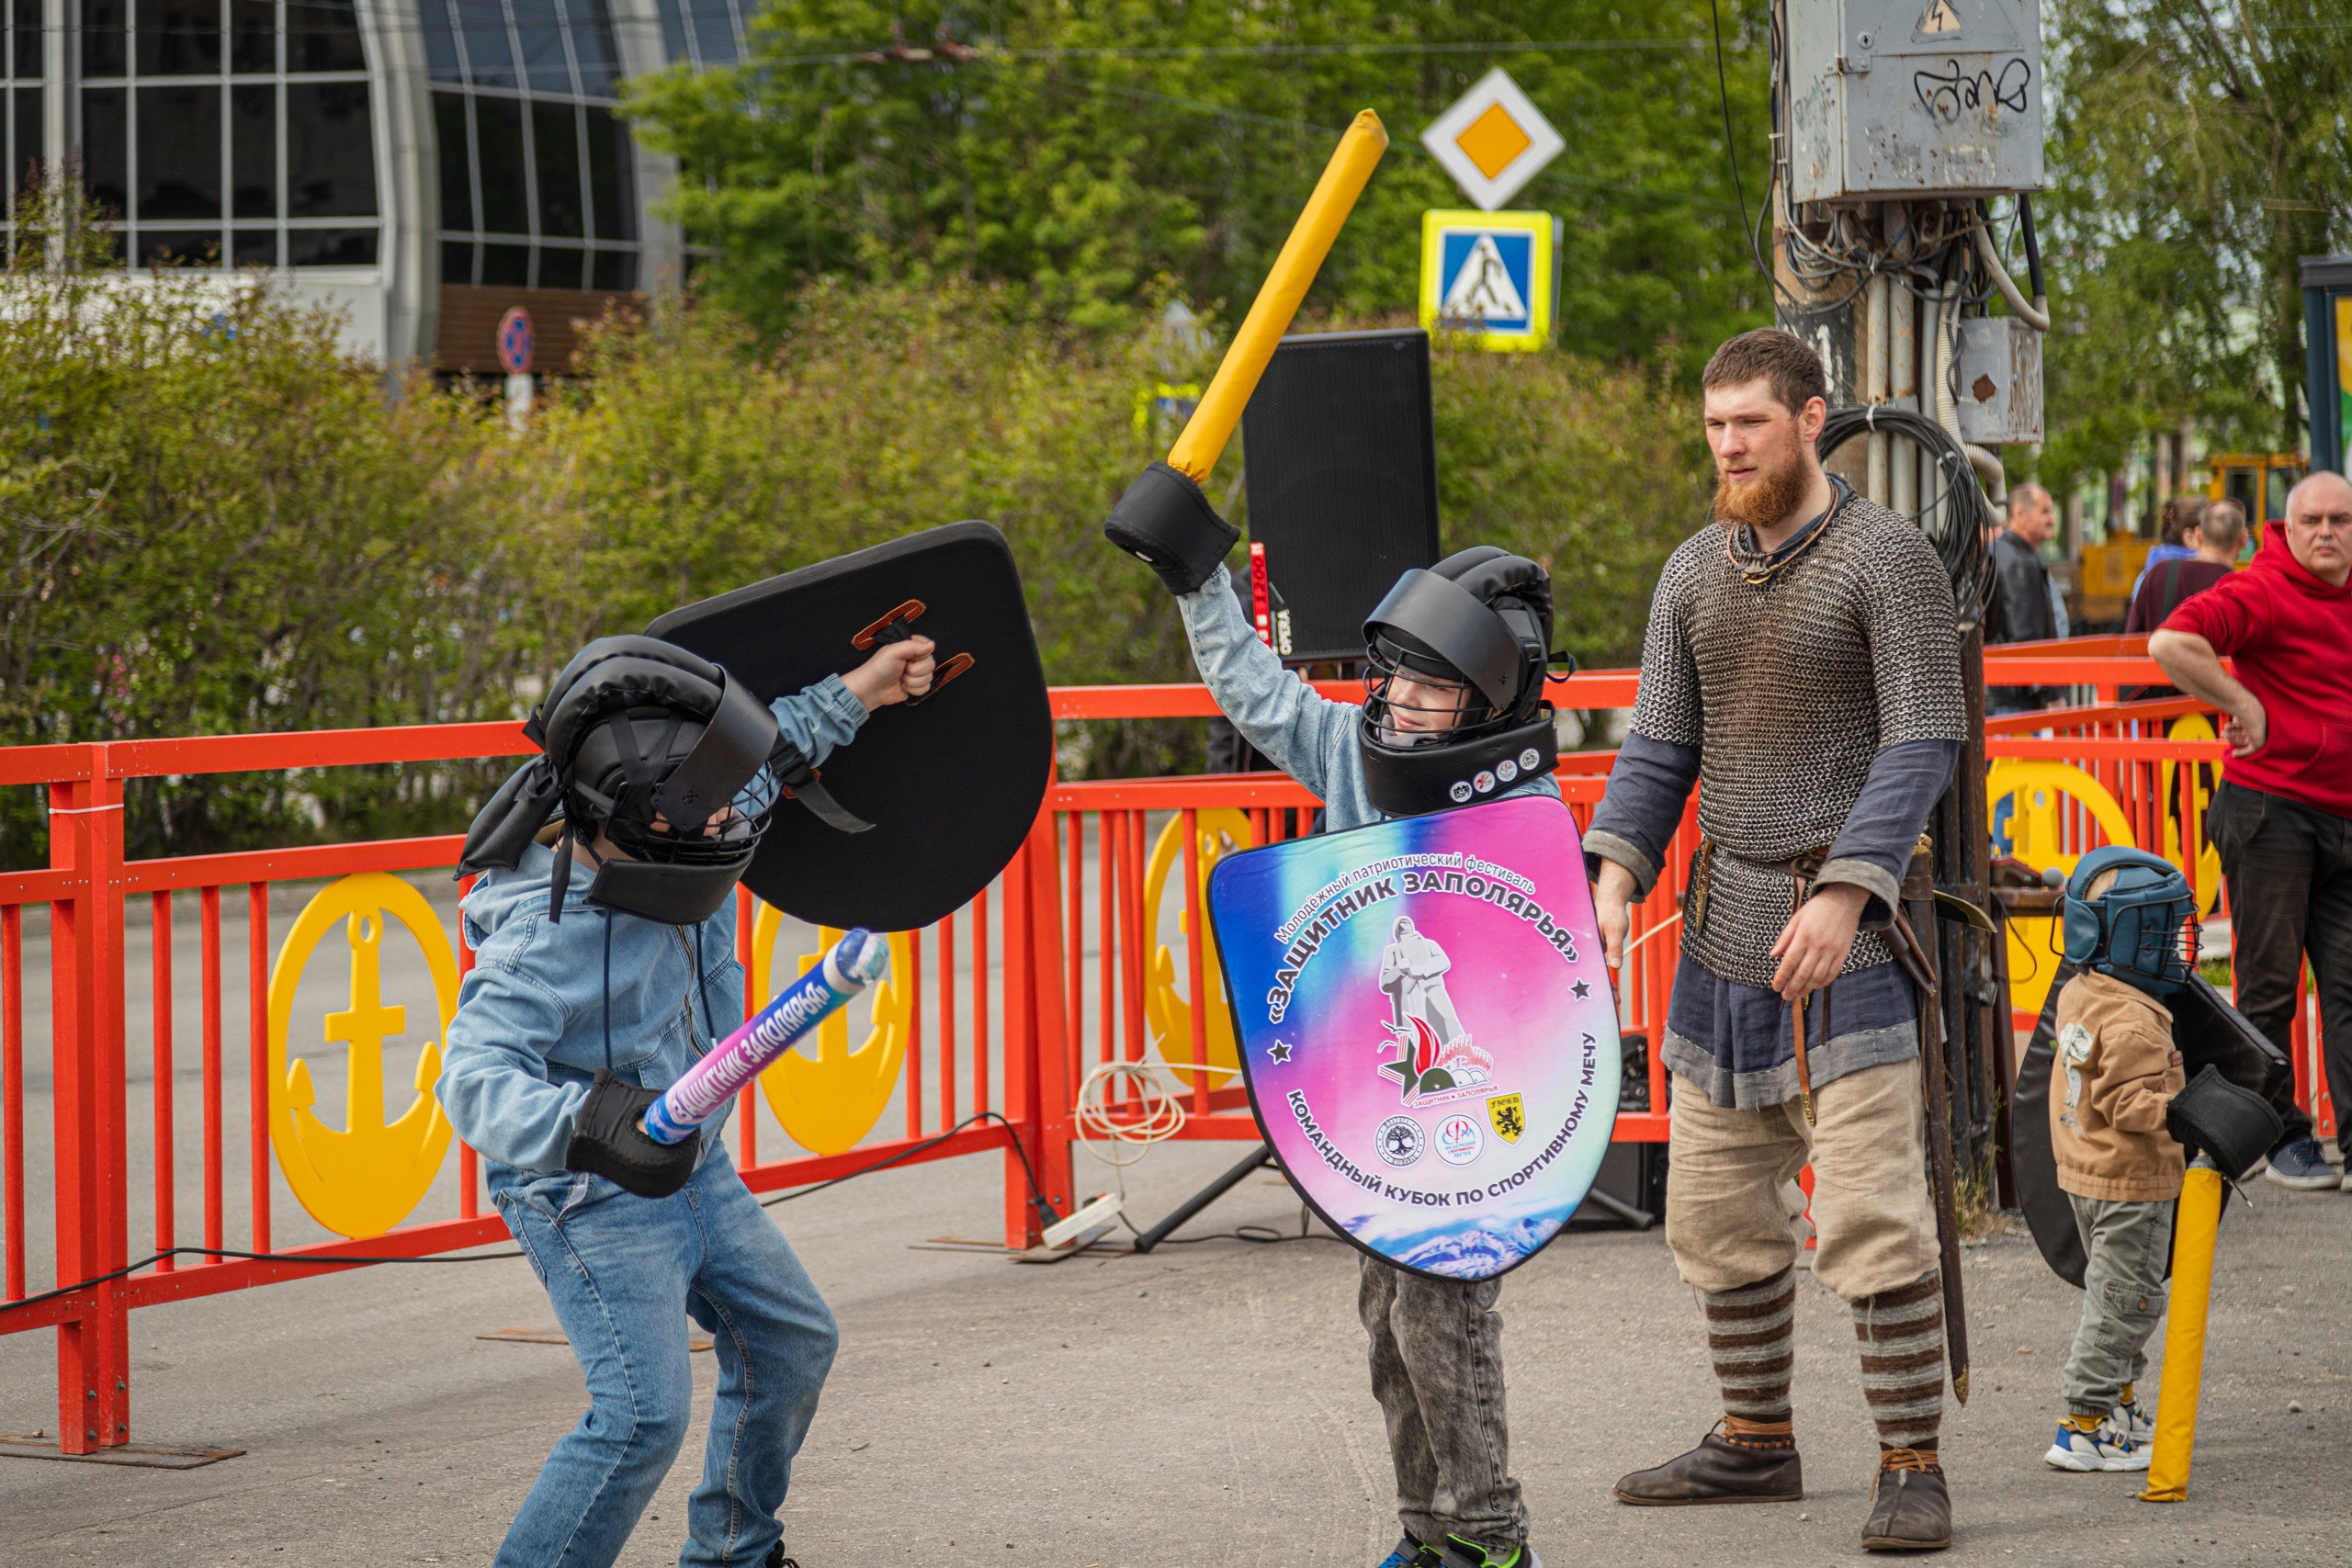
(1636, 818)
(1306, 735)
(1876, 846)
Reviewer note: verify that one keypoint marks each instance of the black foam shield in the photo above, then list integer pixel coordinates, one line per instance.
(952, 783)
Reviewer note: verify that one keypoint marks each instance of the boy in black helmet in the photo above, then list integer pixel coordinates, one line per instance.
(1453, 713)
(590, 994)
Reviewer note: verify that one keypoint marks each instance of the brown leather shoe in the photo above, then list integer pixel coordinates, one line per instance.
(1910, 1507)
(1718, 1471)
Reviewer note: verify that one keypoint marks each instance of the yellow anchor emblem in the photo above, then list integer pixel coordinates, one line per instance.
(2040, 789)
(830, 1103)
(362, 1181)
(1170, 1015)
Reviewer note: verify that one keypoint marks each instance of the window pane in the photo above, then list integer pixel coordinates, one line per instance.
(253, 37)
(592, 45)
(254, 247)
(105, 149)
(490, 60)
(172, 247)
(330, 150)
(615, 269)
(30, 43)
(253, 152)
(714, 31)
(331, 247)
(29, 135)
(179, 152)
(498, 137)
(440, 44)
(102, 38)
(456, 163)
(179, 37)
(456, 261)
(673, 32)
(323, 37)
(555, 144)
(562, 268)
(541, 35)
(610, 184)
(506, 266)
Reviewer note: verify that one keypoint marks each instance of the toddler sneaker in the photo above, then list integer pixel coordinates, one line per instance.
(2138, 1419)
(2105, 1444)
(1461, 1553)
(1411, 1554)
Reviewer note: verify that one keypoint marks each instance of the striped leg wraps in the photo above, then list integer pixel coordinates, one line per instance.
(1751, 1333)
(1902, 1335)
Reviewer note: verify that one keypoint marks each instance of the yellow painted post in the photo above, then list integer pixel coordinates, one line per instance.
(2184, 1376)
(1219, 410)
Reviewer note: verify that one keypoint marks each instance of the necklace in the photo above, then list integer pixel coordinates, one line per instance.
(1759, 575)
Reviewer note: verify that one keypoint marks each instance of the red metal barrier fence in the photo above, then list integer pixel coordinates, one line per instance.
(1001, 1008)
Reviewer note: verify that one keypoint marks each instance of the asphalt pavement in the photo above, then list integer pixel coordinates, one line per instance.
(1205, 1405)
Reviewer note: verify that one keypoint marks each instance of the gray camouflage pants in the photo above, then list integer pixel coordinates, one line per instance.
(1437, 1370)
(2123, 1298)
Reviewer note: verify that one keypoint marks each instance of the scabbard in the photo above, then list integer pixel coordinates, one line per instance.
(1920, 963)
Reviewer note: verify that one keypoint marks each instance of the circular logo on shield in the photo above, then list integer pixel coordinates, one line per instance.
(1531, 759)
(1506, 770)
(1459, 1140)
(1402, 1140)
(1460, 792)
(1483, 782)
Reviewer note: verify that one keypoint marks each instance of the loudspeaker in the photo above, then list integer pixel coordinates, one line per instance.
(1341, 455)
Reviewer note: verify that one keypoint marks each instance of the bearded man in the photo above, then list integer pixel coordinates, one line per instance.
(1803, 660)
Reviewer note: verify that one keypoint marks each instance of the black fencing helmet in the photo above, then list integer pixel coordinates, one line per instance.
(657, 751)
(1472, 635)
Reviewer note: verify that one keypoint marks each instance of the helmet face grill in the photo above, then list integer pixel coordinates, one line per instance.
(727, 838)
(1439, 704)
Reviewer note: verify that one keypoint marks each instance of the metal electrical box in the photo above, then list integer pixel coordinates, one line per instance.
(1891, 98)
(1999, 381)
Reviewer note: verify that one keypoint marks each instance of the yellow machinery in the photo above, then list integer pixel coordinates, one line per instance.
(2257, 480)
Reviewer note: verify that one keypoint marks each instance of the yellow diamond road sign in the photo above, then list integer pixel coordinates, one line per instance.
(1492, 141)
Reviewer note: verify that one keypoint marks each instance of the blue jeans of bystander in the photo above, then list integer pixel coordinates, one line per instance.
(624, 1274)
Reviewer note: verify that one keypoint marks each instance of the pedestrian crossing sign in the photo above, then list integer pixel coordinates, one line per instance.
(1488, 275)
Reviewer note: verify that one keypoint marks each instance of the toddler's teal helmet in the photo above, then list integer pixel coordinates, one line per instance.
(2142, 929)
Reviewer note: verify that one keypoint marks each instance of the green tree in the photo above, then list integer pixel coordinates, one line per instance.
(2197, 151)
(1095, 155)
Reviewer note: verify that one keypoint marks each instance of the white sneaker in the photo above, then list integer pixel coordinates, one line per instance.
(2110, 1446)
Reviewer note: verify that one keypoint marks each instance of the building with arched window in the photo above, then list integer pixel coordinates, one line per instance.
(420, 165)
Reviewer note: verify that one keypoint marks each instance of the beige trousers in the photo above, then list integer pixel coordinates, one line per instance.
(1870, 1210)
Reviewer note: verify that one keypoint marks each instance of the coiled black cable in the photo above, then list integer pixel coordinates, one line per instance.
(1955, 519)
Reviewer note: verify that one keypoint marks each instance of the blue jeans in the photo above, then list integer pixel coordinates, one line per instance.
(624, 1274)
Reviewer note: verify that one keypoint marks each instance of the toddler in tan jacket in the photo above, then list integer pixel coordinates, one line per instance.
(2116, 1073)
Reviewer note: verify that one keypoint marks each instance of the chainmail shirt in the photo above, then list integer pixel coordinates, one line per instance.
(1790, 684)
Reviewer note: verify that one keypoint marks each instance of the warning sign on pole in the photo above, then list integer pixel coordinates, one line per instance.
(1488, 273)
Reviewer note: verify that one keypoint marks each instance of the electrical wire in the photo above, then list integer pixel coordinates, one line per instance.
(1956, 519)
(1730, 152)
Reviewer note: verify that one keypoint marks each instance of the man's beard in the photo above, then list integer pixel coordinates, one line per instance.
(1764, 499)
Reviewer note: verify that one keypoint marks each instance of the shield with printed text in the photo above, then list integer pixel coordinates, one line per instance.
(1426, 1028)
(950, 784)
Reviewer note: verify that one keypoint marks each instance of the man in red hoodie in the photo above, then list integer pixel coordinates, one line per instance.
(2282, 816)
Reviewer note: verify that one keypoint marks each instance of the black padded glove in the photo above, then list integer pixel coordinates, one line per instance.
(607, 1141)
(2230, 1123)
(1166, 523)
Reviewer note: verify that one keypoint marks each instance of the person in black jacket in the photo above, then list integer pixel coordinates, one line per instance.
(2021, 609)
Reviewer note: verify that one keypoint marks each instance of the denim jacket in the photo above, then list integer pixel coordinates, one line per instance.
(1299, 730)
(530, 1028)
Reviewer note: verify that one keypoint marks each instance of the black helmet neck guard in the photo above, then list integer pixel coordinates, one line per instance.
(1478, 625)
(656, 752)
